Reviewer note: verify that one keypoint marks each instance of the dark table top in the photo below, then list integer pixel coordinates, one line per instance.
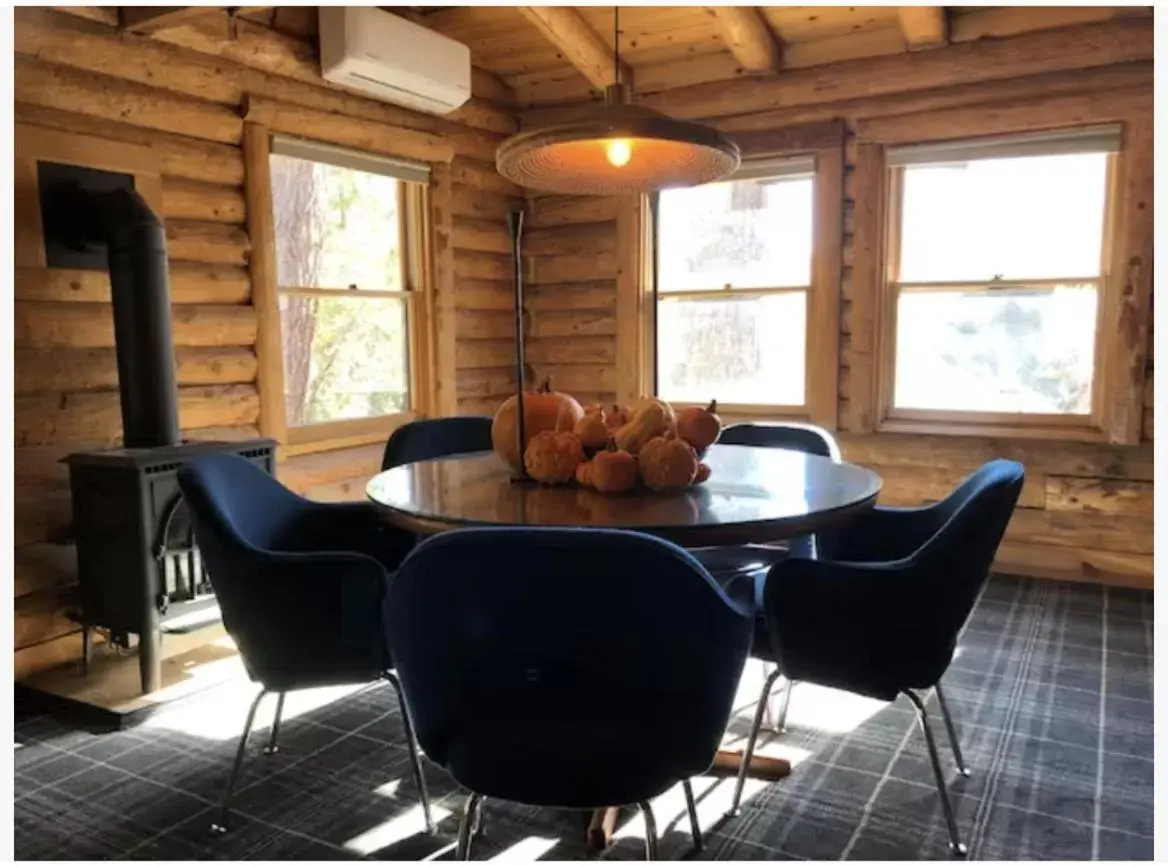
(753, 495)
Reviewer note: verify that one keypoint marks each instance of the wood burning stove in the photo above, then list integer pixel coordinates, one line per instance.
(138, 568)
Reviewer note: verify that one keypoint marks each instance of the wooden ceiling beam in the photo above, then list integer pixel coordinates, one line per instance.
(147, 19)
(923, 26)
(581, 46)
(748, 37)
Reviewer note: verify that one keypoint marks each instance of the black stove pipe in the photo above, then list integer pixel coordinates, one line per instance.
(140, 289)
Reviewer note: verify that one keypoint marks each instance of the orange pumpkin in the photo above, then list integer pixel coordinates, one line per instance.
(700, 427)
(543, 409)
(667, 463)
(702, 474)
(582, 474)
(613, 471)
(592, 430)
(618, 417)
(552, 458)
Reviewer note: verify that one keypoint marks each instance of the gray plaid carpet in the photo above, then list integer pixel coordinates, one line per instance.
(1051, 692)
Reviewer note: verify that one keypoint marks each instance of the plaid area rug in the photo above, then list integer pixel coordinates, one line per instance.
(1051, 693)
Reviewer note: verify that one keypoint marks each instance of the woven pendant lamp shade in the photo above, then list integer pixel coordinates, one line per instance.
(658, 152)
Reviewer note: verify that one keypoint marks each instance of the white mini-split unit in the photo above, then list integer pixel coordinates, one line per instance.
(367, 49)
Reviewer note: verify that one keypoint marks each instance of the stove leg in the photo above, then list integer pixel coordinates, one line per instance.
(150, 657)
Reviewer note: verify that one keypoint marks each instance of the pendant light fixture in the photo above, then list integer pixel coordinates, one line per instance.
(621, 149)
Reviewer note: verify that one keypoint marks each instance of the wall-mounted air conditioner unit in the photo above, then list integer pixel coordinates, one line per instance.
(389, 58)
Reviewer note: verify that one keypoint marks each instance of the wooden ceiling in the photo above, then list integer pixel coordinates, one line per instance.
(564, 54)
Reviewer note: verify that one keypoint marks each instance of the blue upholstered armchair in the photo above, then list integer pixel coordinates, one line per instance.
(437, 437)
(300, 586)
(882, 617)
(558, 680)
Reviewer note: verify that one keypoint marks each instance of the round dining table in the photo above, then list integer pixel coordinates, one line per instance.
(754, 495)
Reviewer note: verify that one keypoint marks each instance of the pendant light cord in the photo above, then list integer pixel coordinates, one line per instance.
(616, 44)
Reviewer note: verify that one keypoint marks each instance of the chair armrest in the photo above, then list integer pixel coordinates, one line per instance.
(348, 526)
(823, 616)
(883, 534)
(284, 607)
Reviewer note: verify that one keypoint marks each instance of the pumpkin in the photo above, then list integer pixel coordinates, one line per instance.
(618, 417)
(612, 471)
(552, 458)
(702, 474)
(592, 430)
(650, 417)
(667, 463)
(543, 409)
(700, 427)
(582, 474)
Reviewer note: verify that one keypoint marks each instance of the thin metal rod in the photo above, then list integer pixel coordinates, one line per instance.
(650, 830)
(616, 44)
(465, 827)
(955, 843)
(515, 225)
(751, 740)
(954, 742)
(781, 724)
(220, 826)
(691, 807)
(412, 742)
(271, 748)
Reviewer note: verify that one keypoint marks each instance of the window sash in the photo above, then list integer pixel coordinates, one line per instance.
(724, 294)
(314, 151)
(1093, 139)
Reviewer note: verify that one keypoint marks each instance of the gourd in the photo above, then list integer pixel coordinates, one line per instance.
(611, 471)
(667, 463)
(702, 474)
(552, 458)
(543, 409)
(700, 427)
(592, 430)
(618, 417)
(649, 418)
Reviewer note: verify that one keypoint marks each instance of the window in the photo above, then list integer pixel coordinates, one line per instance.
(995, 273)
(734, 264)
(344, 279)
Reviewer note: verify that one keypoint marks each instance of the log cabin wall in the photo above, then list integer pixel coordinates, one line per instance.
(1086, 510)
(182, 94)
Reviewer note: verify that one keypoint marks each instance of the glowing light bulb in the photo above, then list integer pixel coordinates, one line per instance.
(618, 151)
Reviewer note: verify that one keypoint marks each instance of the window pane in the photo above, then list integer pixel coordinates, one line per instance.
(344, 357)
(336, 228)
(746, 350)
(747, 234)
(998, 351)
(1038, 217)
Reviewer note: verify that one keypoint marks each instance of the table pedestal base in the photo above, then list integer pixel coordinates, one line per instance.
(726, 763)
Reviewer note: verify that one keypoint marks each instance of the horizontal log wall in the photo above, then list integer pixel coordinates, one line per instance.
(182, 95)
(570, 301)
(1086, 510)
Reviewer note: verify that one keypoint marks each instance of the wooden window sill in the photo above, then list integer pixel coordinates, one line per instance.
(334, 435)
(993, 429)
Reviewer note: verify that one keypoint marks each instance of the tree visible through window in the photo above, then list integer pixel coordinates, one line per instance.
(343, 307)
(996, 279)
(734, 267)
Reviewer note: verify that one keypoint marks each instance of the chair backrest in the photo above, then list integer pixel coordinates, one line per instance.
(299, 617)
(953, 565)
(437, 437)
(565, 650)
(806, 438)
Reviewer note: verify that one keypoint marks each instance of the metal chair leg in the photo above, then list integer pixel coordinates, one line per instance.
(415, 758)
(271, 748)
(470, 814)
(955, 843)
(749, 752)
(962, 767)
(220, 826)
(650, 830)
(691, 807)
(781, 726)
(476, 827)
